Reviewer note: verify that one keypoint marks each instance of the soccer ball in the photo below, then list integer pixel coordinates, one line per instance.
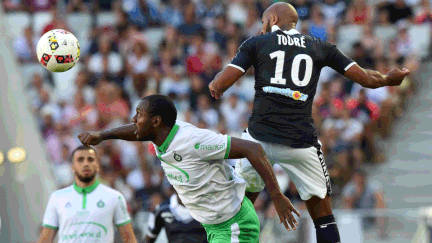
(58, 50)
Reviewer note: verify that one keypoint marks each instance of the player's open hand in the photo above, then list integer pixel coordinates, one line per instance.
(90, 138)
(396, 76)
(285, 209)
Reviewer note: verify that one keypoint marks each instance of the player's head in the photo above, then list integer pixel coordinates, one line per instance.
(281, 14)
(85, 163)
(153, 112)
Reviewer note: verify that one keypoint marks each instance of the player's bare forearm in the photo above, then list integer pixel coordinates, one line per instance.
(374, 79)
(223, 80)
(127, 234)
(256, 155)
(126, 132)
(47, 235)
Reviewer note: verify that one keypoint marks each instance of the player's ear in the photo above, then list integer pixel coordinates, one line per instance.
(273, 19)
(157, 120)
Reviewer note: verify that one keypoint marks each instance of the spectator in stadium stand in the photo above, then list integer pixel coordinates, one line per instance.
(370, 42)
(345, 137)
(359, 13)
(207, 11)
(424, 14)
(304, 8)
(171, 12)
(218, 33)
(398, 10)
(202, 55)
(383, 17)
(363, 58)
(206, 112)
(24, 45)
(190, 28)
(322, 105)
(105, 61)
(140, 60)
(253, 24)
(333, 11)
(318, 28)
(12, 5)
(78, 6)
(38, 5)
(57, 22)
(360, 193)
(232, 110)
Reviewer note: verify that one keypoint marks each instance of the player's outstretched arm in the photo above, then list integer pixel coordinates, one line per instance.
(374, 79)
(223, 80)
(126, 132)
(255, 154)
(47, 235)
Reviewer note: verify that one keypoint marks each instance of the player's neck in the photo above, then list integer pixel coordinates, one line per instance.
(286, 27)
(162, 135)
(84, 184)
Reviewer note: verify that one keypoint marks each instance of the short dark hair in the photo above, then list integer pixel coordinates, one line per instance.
(161, 105)
(81, 148)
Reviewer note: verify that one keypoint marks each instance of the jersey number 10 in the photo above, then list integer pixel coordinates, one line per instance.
(280, 61)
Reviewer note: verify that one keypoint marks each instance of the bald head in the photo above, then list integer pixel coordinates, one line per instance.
(281, 14)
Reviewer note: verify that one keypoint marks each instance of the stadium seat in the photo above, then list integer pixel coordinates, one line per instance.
(106, 19)
(79, 23)
(154, 36)
(28, 70)
(17, 22)
(421, 36)
(40, 20)
(385, 33)
(347, 35)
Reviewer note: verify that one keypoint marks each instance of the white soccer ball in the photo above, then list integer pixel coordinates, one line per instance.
(58, 50)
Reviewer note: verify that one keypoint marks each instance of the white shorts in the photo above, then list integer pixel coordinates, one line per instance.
(306, 167)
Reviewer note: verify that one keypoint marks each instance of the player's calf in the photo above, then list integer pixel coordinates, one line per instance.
(327, 230)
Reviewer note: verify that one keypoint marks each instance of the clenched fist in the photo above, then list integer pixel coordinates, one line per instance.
(90, 138)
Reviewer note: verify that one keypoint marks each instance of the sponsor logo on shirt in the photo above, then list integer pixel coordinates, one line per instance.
(168, 217)
(295, 95)
(96, 233)
(209, 147)
(174, 177)
(68, 205)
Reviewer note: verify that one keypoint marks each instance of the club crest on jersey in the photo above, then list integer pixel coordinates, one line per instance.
(295, 95)
(100, 204)
(177, 157)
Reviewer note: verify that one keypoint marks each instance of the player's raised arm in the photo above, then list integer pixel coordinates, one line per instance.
(255, 154)
(233, 72)
(224, 80)
(374, 79)
(126, 132)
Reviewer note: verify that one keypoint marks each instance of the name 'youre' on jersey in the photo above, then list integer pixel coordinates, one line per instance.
(287, 68)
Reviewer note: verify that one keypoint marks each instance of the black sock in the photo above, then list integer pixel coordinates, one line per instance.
(327, 230)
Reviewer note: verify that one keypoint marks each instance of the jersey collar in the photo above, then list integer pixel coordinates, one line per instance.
(289, 32)
(169, 139)
(88, 189)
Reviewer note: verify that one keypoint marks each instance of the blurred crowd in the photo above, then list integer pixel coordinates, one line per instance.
(121, 62)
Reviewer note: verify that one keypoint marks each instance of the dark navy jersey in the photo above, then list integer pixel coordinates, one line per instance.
(179, 225)
(287, 68)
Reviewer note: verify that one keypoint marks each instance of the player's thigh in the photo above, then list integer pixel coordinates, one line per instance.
(242, 228)
(245, 170)
(306, 167)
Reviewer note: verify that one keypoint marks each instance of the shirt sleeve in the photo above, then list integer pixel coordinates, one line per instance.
(244, 57)
(209, 145)
(50, 219)
(155, 223)
(336, 59)
(121, 215)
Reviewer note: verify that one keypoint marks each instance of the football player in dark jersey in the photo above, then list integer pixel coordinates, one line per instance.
(179, 225)
(287, 66)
